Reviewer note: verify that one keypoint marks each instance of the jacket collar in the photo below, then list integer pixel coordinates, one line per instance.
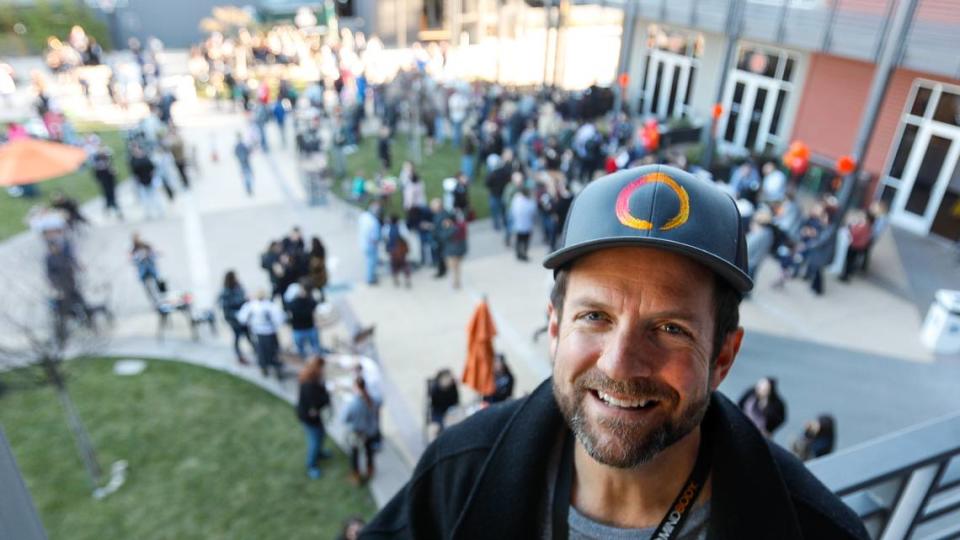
(749, 498)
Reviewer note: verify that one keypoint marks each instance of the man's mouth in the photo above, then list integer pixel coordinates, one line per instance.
(626, 403)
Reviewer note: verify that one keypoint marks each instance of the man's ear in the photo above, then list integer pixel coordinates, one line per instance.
(725, 357)
(553, 329)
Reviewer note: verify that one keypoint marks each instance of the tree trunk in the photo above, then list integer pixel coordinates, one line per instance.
(84, 446)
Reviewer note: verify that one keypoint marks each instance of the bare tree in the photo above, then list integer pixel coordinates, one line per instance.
(45, 320)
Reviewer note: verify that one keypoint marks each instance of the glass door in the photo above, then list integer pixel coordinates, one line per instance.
(928, 176)
(668, 83)
(753, 106)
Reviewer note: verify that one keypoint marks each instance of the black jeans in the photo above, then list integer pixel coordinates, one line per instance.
(267, 350)
(523, 244)
(438, 257)
(239, 331)
(367, 445)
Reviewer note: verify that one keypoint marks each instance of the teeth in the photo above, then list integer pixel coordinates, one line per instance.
(624, 404)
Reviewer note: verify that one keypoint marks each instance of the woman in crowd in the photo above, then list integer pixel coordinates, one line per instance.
(454, 234)
(362, 418)
(312, 400)
(232, 298)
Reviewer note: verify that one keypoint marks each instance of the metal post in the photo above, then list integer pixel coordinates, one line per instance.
(548, 24)
(735, 27)
(563, 9)
(402, 24)
(891, 50)
(626, 47)
(18, 516)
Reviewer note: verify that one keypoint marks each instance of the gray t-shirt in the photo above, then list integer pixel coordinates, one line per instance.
(582, 527)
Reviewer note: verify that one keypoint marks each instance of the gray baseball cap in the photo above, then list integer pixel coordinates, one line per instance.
(662, 207)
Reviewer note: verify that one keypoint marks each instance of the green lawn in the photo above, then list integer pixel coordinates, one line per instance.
(443, 163)
(210, 456)
(80, 185)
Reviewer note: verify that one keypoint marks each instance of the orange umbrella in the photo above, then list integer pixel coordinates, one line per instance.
(478, 372)
(25, 161)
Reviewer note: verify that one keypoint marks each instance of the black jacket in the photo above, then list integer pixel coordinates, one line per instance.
(313, 398)
(485, 478)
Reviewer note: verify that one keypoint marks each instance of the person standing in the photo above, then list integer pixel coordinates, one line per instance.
(496, 182)
(763, 406)
(370, 232)
(454, 233)
(774, 186)
(232, 298)
(437, 218)
(145, 260)
(313, 398)
(362, 418)
(305, 333)
(457, 106)
(243, 151)
(143, 171)
(106, 176)
(398, 248)
(523, 212)
(174, 143)
(317, 266)
(502, 380)
(264, 318)
(817, 440)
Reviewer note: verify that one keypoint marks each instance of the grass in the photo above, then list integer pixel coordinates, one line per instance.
(210, 456)
(80, 185)
(443, 163)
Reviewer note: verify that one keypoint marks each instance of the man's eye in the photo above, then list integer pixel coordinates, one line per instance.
(594, 316)
(673, 329)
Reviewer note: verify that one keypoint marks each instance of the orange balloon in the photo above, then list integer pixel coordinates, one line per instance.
(846, 165)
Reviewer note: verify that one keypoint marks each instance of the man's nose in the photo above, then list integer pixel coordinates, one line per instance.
(626, 354)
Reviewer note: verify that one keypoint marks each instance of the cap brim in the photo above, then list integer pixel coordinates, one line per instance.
(736, 277)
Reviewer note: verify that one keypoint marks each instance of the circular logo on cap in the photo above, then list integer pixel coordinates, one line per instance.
(623, 203)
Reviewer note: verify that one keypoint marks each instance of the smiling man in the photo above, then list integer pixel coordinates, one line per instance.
(629, 438)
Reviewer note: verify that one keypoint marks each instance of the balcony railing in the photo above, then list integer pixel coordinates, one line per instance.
(905, 485)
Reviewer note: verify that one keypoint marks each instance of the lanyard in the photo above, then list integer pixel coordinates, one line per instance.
(671, 524)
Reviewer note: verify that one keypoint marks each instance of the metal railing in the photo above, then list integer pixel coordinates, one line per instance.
(903, 485)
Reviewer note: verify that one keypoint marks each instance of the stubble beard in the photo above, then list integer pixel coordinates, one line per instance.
(620, 443)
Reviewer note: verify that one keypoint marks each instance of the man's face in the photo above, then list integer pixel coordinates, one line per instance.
(632, 353)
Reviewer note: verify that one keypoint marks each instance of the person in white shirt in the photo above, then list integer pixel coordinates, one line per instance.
(523, 211)
(774, 183)
(370, 234)
(457, 107)
(264, 318)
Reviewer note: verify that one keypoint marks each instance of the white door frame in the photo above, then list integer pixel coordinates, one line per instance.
(900, 216)
(671, 62)
(751, 82)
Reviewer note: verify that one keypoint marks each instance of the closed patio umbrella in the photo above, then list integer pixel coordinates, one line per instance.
(478, 371)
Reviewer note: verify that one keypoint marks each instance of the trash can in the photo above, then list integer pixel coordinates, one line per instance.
(941, 328)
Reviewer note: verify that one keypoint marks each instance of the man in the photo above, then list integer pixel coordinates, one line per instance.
(629, 438)
(774, 187)
(264, 318)
(370, 226)
(496, 182)
(243, 151)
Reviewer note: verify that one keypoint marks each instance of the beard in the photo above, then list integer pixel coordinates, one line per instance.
(626, 444)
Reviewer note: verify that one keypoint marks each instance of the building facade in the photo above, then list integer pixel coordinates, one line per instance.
(802, 70)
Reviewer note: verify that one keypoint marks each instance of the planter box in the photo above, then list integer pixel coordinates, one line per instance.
(683, 135)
